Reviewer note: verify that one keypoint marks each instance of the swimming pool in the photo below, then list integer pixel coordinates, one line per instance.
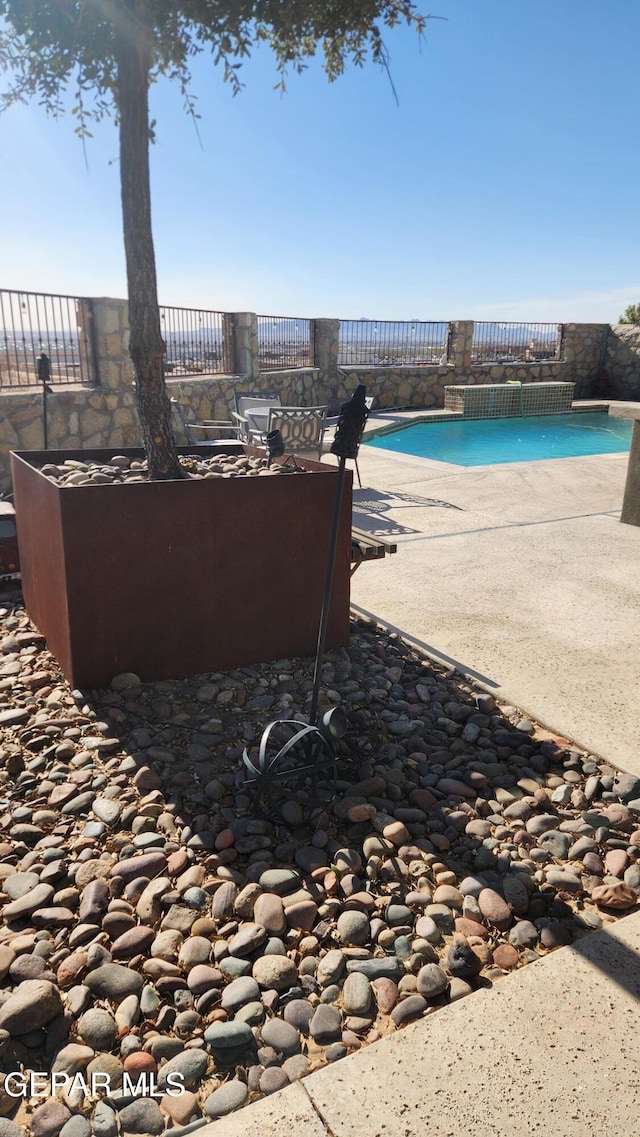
(488, 442)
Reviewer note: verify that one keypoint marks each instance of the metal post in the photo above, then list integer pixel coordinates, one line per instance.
(349, 428)
(326, 600)
(43, 368)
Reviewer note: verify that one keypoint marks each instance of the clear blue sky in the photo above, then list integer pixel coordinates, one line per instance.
(505, 185)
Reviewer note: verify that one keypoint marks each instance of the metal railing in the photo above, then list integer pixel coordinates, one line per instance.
(33, 324)
(393, 343)
(284, 342)
(515, 343)
(194, 340)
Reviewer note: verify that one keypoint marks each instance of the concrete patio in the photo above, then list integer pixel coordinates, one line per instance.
(522, 575)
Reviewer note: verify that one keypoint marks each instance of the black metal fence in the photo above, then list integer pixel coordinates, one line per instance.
(194, 339)
(32, 323)
(284, 342)
(393, 343)
(200, 342)
(515, 343)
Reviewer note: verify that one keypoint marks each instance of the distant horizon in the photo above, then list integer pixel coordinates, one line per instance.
(522, 321)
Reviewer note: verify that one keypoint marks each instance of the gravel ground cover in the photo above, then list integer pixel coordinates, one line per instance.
(159, 919)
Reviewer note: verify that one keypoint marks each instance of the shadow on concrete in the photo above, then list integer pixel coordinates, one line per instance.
(371, 507)
(620, 963)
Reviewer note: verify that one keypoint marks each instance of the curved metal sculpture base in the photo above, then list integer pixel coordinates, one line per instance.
(295, 752)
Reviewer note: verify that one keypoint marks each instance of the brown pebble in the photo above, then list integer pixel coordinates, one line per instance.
(359, 813)
(505, 956)
(386, 993)
(140, 1062)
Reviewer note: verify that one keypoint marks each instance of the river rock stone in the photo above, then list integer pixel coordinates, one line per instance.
(299, 1013)
(113, 981)
(272, 1079)
(505, 956)
(275, 972)
(356, 994)
(224, 1100)
(326, 1025)
(353, 927)
(48, 1119)
(191, 1064)
(21, 884)
(389, 968)
(142, 1116)
(98, 1029)
(280, 881)
(462, 961)
(224, 1036)
(407, 1009)
(247, 939)
(238, 992)
(21, 908)
(331, 968)
(386, 993)
(282, 1036)
(431, 981)
(268, 911)
(495, 910)
(524, 934)
(32, 1005)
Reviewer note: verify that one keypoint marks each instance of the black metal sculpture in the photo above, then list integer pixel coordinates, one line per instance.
(353, 416)
(290, 749)
(295, 750)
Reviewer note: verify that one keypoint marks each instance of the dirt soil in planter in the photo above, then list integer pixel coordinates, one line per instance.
(158, 919)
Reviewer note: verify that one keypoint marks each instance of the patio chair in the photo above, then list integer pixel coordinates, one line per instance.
(251, 424)
(183, 428)
(302, 428)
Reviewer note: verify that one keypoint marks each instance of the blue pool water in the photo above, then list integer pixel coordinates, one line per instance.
(487, 442)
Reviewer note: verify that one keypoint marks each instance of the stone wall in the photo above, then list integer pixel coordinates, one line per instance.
(105, 415)
(622, 362)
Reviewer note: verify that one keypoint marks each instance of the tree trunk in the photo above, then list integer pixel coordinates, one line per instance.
(147, 347)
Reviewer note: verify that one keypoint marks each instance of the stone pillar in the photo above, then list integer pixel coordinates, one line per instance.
(582, 343)
(622, 361)
(325, 337)
(86, 341)
(631, 503)
(228, 344)
(583, 349)
(460, 342)
(325, 341)
(111, 339)
(244, 327)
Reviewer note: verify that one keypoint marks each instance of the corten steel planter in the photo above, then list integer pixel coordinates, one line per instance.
(171, 579)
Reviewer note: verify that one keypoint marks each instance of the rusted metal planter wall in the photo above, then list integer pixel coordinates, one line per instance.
(171, 579)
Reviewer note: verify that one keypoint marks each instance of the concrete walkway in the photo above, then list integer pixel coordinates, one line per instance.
(549, 1049)
(522, 575)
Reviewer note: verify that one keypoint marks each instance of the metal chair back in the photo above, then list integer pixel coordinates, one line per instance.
(302, 428)
(261, 401)
(183, 429)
